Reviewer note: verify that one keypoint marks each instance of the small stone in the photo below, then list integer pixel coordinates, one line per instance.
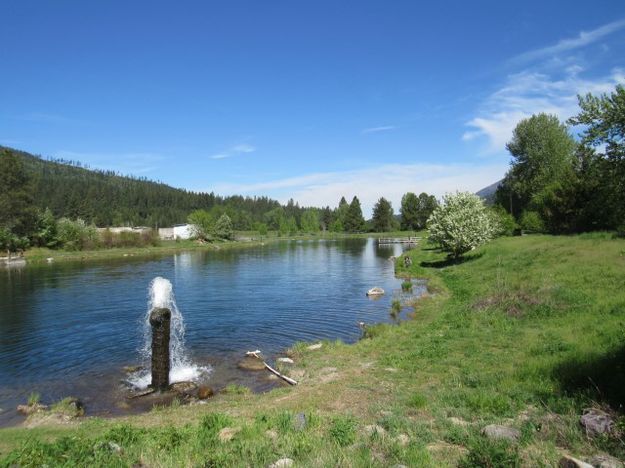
(375, 429)
(605, 461)
(596, 422)
(569, 462)
(272, 434)
(314, 347)
(282, 463)
(132, 369)
(286, 360)
(300, 422)
(204, 392)
(184, 388)
(403, 440)
(496, 432)
(399, 466)
(227, 433)
(111, 446)
(390, 369)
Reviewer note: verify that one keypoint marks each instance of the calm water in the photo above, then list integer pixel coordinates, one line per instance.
(68, 329)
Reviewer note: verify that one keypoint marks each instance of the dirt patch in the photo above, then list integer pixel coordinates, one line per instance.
(512, 302)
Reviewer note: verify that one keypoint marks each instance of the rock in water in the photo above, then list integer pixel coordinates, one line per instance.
(251, 363)
(496, 432)
(183, 388)
(375, 291)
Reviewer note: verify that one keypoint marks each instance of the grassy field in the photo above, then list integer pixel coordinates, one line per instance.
(526, 331)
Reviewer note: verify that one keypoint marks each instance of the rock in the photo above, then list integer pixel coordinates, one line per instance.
(272, 434)
(569, 462)
(110, 446)
(374, 429)
(314, 347)
(299, 422)
(204, 392)
(403, 440)
(282, 463)
(605, 461)
(390, 369)
(399, 466)
(496, 432)
(31, 409)
(183, 388)
(227, 433)
(286, 360)
(75, 406)
(132, 369)
(251, 364)
(375, 291)
(596, 422)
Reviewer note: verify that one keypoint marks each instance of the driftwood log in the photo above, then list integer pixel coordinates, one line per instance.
(257, 353)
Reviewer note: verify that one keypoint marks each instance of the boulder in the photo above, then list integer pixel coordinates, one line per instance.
(569, 462)
(497, 432)
(605, 461)
(596, 422)
(184, 388)
(204, 392)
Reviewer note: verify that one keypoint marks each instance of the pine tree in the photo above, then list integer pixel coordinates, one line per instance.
(354, 221)
(382, 216)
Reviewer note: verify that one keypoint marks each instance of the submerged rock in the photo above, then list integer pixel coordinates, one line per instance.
(251, 363)
(183, 388)
(132, 369)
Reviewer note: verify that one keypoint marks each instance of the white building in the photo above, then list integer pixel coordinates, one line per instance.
(184, 231)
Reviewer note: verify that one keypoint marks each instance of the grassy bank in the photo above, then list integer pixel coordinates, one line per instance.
(244, 239)
(526, 332)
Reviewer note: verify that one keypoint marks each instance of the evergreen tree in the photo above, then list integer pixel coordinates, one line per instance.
(409, 212)
(382, 220)
(426, 206)
(354, 221)
(17, 211)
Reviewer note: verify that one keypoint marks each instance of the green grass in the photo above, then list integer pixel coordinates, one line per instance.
(526, 331)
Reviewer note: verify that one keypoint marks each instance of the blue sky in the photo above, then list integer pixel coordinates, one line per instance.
(310, 100)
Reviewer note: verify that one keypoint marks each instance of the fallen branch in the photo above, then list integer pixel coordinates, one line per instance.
(257, 353)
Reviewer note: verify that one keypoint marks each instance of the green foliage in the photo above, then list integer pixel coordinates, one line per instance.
(395, 306)
(45, 234)
(34, 398)
(503, 220)
(310, 221)
(354, 221)
(343, 430)
(17, 211)
(461, 224)
(76, 235)
(417, 400)
(382, 216)
(202, 223)
(532, 222)
(122, 239)
(10, 242)
(223, 228)
(409, 212)
(406, 285)
(261, 228)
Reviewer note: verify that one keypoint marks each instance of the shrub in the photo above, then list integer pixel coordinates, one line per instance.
(34, 398)
(505, 222)
(76, 235)
(531, 221)
(461, 224)
(223, 228)
(406, 285)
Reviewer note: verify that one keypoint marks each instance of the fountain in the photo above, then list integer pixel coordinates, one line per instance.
(163, 344)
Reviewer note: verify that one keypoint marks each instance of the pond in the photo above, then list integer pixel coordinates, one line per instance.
(69, 329)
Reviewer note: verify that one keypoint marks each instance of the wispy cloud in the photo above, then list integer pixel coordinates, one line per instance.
(124, 163)
(583, 39)
(241, 148)
(384, 128)
(369, 184)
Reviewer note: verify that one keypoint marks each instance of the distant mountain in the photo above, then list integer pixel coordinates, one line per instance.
(107, 198)
(488, 193)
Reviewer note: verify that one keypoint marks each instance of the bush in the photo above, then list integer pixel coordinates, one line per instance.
(76, 235)
(532, 222)
(504, 221)
(111, 240)
(223, 228)
(461, 224)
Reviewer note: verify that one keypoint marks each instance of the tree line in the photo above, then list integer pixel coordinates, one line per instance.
(558, 184)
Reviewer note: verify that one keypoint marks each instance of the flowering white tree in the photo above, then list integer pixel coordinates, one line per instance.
(461, 223)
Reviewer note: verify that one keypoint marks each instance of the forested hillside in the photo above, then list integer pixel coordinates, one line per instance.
(107, 199)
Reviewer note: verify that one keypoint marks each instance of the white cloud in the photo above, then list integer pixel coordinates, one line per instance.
(583, 39)
(241, 148)
(390, 181)
(384, 128)
(528, 93)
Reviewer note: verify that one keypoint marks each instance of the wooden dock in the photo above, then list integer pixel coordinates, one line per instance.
(399, 240)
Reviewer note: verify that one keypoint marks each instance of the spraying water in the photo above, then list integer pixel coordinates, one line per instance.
(161, 295)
